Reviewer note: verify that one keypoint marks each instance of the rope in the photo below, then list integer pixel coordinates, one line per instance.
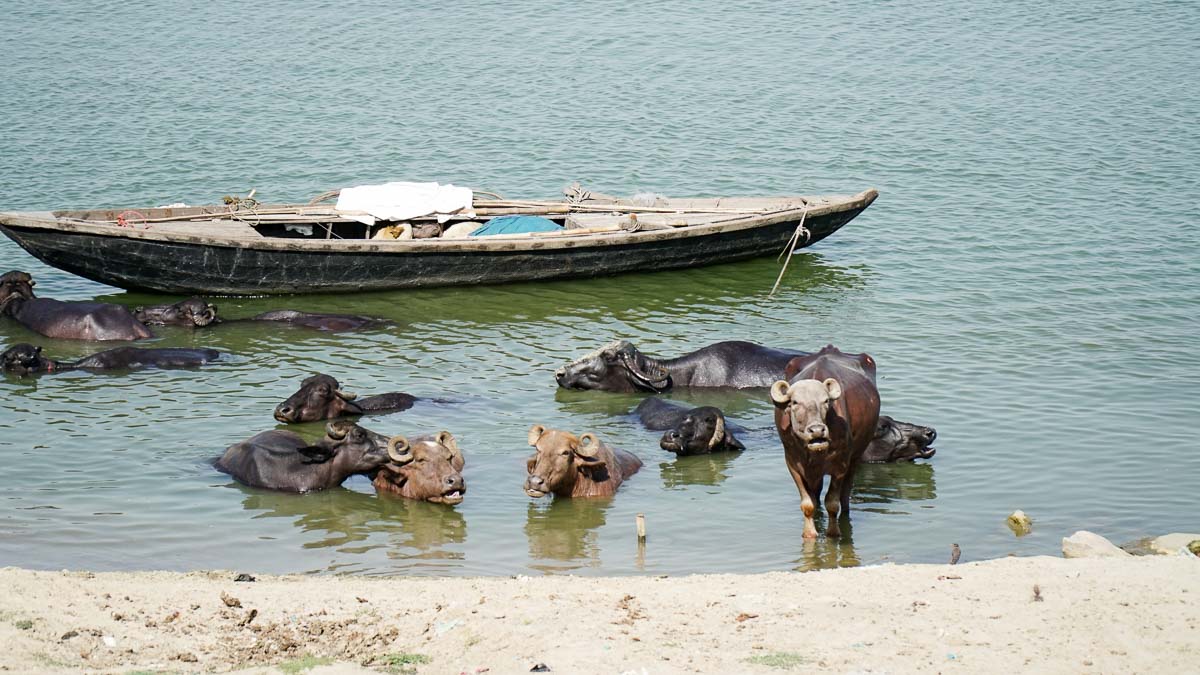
(123, 222)
(790, 248)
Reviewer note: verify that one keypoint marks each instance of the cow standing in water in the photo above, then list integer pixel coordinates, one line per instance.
(826, 412)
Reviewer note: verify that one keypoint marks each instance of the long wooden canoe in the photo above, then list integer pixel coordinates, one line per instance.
(281, 249)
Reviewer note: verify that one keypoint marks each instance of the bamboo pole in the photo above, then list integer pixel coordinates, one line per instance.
(641, 528)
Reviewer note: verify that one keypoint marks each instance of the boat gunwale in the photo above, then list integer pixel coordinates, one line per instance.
(46, 220)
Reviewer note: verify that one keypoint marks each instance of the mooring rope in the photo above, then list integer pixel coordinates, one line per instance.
(790, 248)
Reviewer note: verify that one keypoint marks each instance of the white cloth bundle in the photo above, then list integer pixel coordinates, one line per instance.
(402, 201)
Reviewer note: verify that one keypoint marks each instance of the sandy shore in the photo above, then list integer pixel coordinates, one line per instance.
(1137, 614)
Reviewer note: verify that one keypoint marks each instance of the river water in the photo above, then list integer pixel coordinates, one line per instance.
(1027, 281)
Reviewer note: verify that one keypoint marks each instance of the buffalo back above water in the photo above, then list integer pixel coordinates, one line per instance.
(826, 414)
(191, 313)
(567, 465)
(431, 471)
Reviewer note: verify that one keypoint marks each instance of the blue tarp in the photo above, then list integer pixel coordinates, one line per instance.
(516, 225)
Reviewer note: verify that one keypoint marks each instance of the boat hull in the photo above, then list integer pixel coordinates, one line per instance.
(242, 268)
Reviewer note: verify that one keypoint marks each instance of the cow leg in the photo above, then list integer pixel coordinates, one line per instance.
(806, 503)
(847, 484)
(833, 504)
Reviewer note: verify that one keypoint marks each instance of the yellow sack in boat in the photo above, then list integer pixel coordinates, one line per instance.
(397, 231)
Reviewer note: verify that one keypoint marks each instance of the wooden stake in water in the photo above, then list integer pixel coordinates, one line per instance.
(641, 528)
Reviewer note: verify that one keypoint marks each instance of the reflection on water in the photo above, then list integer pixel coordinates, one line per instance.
(354, 522)
(824, 553)
(887, 484)
(711, 469)
(564, 530)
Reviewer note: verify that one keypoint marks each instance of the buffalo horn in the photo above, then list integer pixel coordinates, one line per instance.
(589, 445)
(399, 449)
(779, 392)
(658, 384)
(718, 433)
(334, 431)
(345, 395)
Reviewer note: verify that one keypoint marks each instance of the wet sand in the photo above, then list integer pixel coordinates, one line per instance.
(1139, 614)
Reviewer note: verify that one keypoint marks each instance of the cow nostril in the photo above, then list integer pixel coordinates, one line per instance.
(931, 434)
(560, 373)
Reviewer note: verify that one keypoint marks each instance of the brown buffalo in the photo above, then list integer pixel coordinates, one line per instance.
(431, 470)
(826, 414)
(575, 466)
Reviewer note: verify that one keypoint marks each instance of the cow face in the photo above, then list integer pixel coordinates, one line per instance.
(805, 406)
(617, 366)
(897, 441)
(702, 430)
(353, 449)
(22, 359)
(192, 313)
(431, 471)
(320, 397)
(560, 459)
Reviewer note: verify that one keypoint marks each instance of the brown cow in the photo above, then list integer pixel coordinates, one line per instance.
(826, 412)
(575, 466)
(431, 470)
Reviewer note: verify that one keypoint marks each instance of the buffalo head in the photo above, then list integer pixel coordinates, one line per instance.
(13, 286)
(320, 397)
(702, 430)
(897, 441)
(23, 358)
(559, 459)
(805, 405)
(617, 366)
(430, 469)
(193, 313)
(353, 449)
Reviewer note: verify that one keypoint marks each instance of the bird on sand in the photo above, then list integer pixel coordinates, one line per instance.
(955, 553)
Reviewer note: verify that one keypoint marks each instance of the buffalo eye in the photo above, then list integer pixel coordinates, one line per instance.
(564, 453)
(609, 356)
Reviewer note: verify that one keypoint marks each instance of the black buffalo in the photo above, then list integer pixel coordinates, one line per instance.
(897, 441)
(619, 366)
(689, 431)
(199, 313)
(282, 460)
(320, 397)
(66, 320)
(24, 359)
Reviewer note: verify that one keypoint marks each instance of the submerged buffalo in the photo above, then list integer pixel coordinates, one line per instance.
(25, 359)
(689, 431)
(826, 413)
(66, 320)
(897, 441)
(619, 366)
(282, 460)
(575, 466)
(321, 397)
(431, 471)
(198, 313)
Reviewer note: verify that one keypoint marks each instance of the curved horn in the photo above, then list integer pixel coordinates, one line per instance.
(399, 449)
(659, 384)
(345, 395)
(535, 432)
(447, 439)
(589, 445)
(718, 433)
(332, 431)
(779, 392)
(206, 316)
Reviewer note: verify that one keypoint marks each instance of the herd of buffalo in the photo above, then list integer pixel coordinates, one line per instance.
(826, 409)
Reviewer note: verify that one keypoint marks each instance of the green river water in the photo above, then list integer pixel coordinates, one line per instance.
(1028, 281)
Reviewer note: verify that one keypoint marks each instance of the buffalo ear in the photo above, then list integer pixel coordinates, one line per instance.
(37, 351)
(535, 434)
(316, 454)
(834, 388)
(733, 443)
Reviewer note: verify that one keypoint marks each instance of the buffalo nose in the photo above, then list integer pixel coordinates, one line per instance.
(535, 481)
(283, 412)
(674, 435)
(930, 433)
(453, 481)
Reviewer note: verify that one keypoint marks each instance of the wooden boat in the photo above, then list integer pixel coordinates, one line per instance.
(247, 248)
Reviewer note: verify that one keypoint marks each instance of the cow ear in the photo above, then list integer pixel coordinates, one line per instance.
(316, 454)
(834, 388)
(535, 434)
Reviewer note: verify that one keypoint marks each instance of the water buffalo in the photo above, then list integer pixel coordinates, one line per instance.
(282, 460)
(575, 466)
(24, 359)
(431, 471)
(198, 313)
(826, 412)
(897, 441)
(192, 313)
(320, 397)
(689, 431)
(619, 366)
(66, 320)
